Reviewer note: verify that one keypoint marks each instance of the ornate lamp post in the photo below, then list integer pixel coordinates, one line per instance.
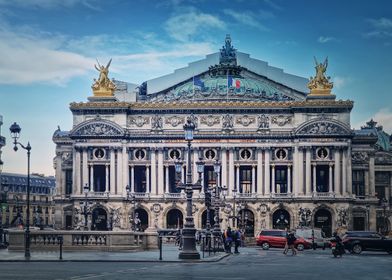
(217, 198)
(15, 131)
(131, 197)
(384, 205)
(234, 217)
(188, 233)
(86, 190)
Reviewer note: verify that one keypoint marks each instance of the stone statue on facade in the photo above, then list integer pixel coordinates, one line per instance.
(228, 53)
(320, 84)
(227, 123)
(116, 217)
(342, 217)
(263, 121)
(305, 217)
(157, 122)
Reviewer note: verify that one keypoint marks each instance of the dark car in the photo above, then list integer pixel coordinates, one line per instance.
(358, 241)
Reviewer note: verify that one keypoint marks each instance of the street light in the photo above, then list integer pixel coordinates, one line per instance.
(234, 217)
(188, 233)
(217, 200)
(131, 198)
(15, 131)
(384, 205)
(86, 190)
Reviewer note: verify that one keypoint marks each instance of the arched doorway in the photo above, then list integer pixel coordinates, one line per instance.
(99, 219)
(204, 218)
(246, 222)
(141, 219)
(281, 219)
(174, 219)
(323, 220)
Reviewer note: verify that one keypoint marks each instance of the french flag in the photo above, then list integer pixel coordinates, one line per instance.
(232, 82)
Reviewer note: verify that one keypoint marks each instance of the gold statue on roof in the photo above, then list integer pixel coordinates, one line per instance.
(103, 86)
(320, 84)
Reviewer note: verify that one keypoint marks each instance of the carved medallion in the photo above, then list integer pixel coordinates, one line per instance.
(174, 121)
(139, 121)
(360, 157)
(245, 120)
(209, 120)
(281, 120)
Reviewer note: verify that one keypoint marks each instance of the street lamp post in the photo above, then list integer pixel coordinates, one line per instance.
(132, 199)
(384, 205)
(217, 200)
(15, 131)
(234, 217)
(86, 189)
(188, 233)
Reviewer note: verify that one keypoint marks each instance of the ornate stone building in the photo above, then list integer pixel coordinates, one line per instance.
(288, 153)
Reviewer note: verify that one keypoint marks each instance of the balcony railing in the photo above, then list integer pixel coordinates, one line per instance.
(174, 195)
(281, 195)
(323, 195)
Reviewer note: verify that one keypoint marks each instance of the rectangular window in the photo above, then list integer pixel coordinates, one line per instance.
(322, 178)
(68, 181)
(140, 179)
(281, 179)
(99, 178)
(245, 179)
(359, 183)
(173, 180)
(209, 177)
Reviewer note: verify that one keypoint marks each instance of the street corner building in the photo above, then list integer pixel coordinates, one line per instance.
(287, 152)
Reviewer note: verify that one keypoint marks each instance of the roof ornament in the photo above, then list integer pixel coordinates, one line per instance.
(228, 53)
(320, 85)
(103, 87)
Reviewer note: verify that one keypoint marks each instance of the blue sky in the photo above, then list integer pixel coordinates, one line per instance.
(48, 50)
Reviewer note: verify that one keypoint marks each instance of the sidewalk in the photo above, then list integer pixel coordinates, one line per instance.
(169, 254)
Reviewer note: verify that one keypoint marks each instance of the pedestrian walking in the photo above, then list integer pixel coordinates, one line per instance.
(290, 242)
(237, 240)
(228, 239)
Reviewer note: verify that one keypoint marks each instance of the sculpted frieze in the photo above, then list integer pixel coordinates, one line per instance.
(281, 120)
(139, 121)
(360, 157)
(97, 129)
(263, 121)
(210, 120)
(323, 127)
(174, 121)
(156, 122)
(245, 120)
(227, 122)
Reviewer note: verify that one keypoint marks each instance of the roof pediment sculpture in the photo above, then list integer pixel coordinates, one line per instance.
(97, 128)
(103, 87)
(323, 127)
(320, 84)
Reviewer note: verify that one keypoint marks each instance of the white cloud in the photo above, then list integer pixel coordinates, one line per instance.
(325, 39)
(272, 4)
(340, 82)
(382, 28)
(183, 26)
(382, 22)
(49, 4)
(246, 18)
(384, 117)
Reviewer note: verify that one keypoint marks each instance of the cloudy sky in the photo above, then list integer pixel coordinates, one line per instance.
(48, 50)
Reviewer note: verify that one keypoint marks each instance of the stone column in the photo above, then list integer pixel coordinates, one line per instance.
(153, 172)
(273, 187)
(91, 186)
(112, 171)
(367, 185)
(132, 179)
(224, 167)
(344, 173)
(253, 190)
(349, 172)
(260, 171)
(106, 178)
(74, 167)
(119, 184)
(160, 172)
(308, 175)
(59, 175)
(314, 178)
(231, 170)
(289, 179)
(238, 177)
(125, 171)
(166, 178)
(85, 167)
(267, 172)
(338, 189)
(330, 179)
(148, 187)
(301, 171)
(372, 183)
(195, 159)
(77, 171)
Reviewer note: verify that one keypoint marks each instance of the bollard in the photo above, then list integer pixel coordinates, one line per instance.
(60, 240)
(203, 239)
(160, 246)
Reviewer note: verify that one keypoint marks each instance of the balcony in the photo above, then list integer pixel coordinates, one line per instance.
(323, 196)
(174, 195)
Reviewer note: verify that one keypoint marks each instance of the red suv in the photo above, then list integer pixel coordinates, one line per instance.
(277, 238)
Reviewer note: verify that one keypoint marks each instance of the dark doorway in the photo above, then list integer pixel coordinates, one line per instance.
(142, 219)
(246, 222)
(99, 221)
(359, 223)
(68, 222)
(323, 220)
(204, 218)
(174, 219)
(281, 219)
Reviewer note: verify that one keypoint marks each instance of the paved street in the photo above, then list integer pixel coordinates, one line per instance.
(252, 263)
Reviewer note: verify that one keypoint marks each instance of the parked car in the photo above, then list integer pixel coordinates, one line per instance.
(358, 241)
(277, 238)
(308, 234)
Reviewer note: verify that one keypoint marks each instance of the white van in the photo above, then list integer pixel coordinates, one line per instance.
(308, 233)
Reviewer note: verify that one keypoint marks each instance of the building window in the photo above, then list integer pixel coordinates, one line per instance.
(209, 177)
(99, 178)
(322, 153)
(281, 154)
(281, 179)
(245, 154)
(99, 153)
(245, 179)
(140, 154)
(359, 183)
(173, 180)
(174, 154)
(140, 179)
(210, 154)
(322, 178)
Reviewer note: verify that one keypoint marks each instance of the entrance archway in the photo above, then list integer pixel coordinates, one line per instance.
(174, 219)
(246, 222)
(323, 220)
(281, 219)
(99, 219)
(141, 221)
(204, 218)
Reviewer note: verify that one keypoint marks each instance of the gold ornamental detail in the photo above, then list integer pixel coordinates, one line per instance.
(103, 87)
(320, 84)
